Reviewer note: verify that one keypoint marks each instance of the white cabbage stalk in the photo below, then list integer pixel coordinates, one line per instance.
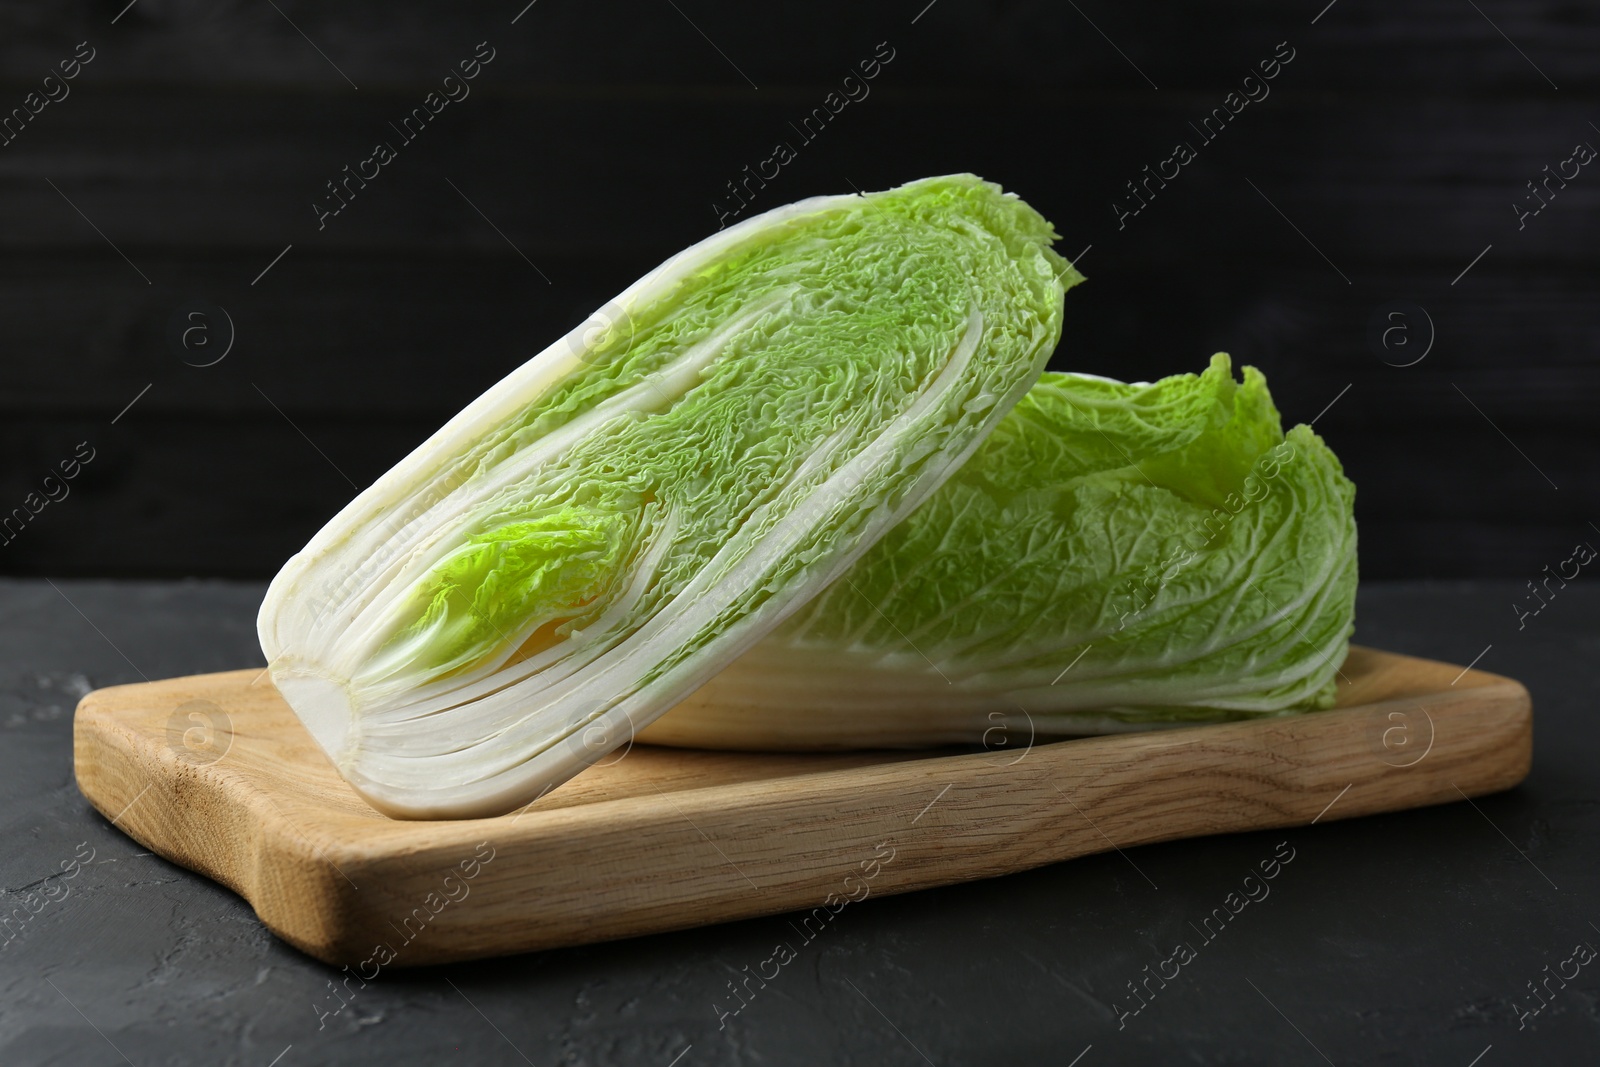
(1113, 557)
(622, 516)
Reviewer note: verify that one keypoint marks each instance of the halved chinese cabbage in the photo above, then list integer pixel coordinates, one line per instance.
(1114, 557)
(623, 515)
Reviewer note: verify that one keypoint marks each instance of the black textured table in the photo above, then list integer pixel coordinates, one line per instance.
(1414, 938)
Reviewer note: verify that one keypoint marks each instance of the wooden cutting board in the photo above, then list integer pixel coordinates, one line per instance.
(215, 773)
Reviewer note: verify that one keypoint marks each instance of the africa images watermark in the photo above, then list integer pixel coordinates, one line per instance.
(452, 890)
(52, 490)
(1254, 90)
(15, 919)
(200, 333)
(395, 522)
(1390, 333)
(1583, 954)
(199, 732)
(1582, 555)
(455, 89)
(1139, 593)
(53, 90)
(1582, 154)
(812, 925)
(1255, 890)
(854, 90)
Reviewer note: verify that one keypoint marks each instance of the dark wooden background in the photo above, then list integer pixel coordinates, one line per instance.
(598, 140)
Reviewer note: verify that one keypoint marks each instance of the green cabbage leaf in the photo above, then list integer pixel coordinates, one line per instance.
(1113, 557)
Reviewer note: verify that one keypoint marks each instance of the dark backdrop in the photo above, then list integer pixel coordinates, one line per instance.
(187, 154)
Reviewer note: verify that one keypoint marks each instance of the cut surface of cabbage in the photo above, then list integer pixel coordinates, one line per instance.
(623, 515)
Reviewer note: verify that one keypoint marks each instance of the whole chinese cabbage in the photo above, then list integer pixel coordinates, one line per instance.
(622, 516)
(1114, 557)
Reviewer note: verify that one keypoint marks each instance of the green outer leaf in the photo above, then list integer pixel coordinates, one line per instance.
(1095, 564)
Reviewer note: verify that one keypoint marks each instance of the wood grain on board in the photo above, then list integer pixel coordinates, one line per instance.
(214, 772)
